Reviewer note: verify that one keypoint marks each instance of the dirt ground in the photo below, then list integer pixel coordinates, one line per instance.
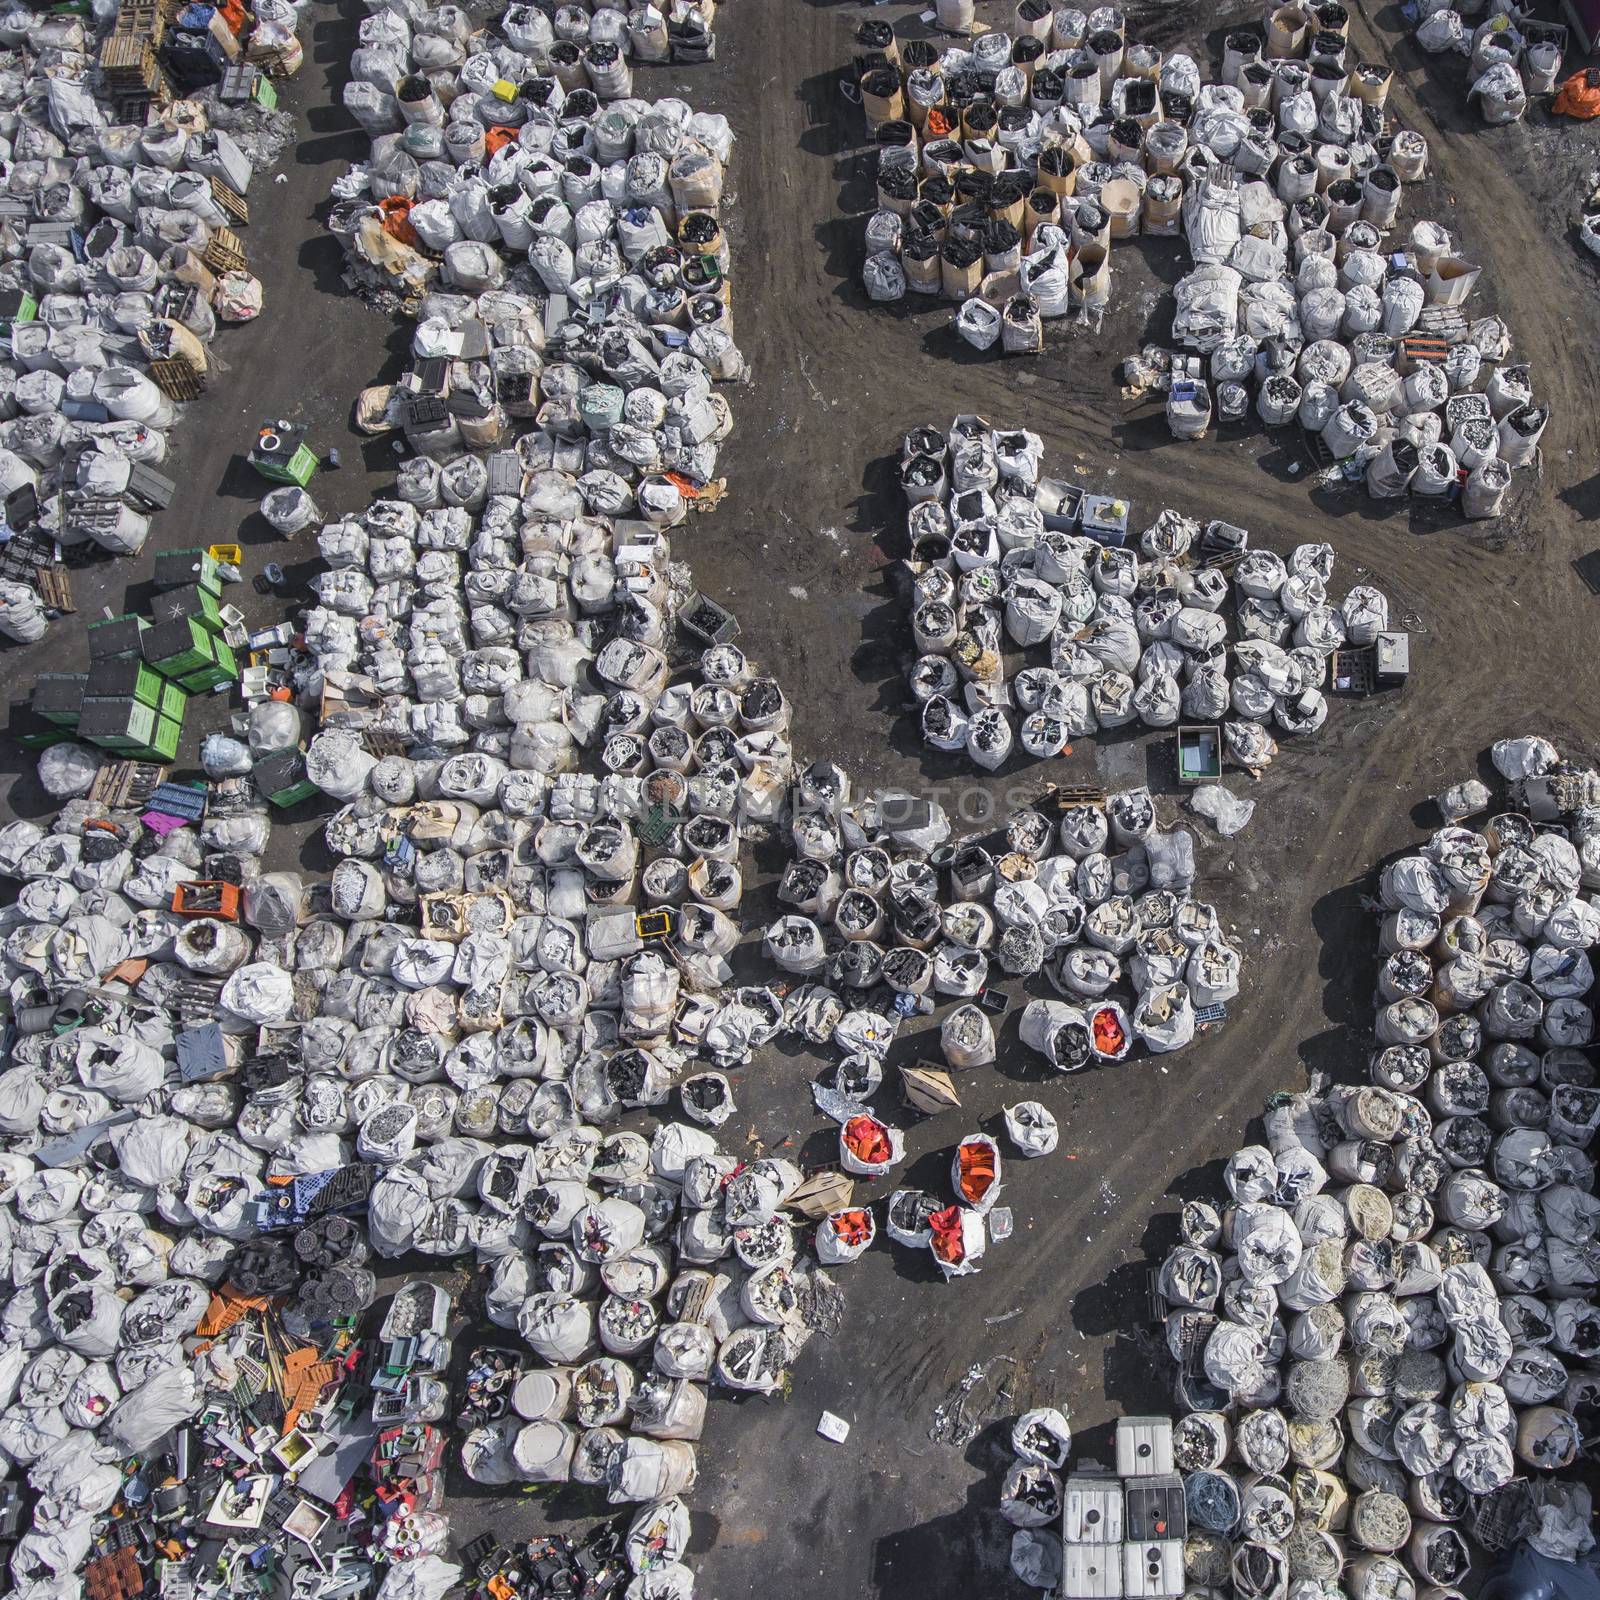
(802, 549)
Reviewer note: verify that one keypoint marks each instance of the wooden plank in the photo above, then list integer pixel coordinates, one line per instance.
(224, 251)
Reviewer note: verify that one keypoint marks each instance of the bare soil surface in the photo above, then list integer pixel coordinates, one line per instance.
(803, 550)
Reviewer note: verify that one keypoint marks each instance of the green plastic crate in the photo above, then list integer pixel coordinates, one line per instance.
(122, 725)
(212, 676)
(16, 305)
(58, 697)
(121, 676)
(33, 733)
(176, 568)
(174, 701)
(177, 648)
(263, 93)
(192, 600)
(163, 745)
(299, 469)
(115, 636)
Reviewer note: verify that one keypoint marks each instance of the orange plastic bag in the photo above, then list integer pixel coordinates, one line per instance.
(946, 1230)
(977, 1171)
(1108, 1035)
(497, 138)
(867, 1141)
(395, 210)
(1579, 96)
(852, 1227)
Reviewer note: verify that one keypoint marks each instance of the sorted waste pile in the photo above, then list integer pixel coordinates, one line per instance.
(1002, 558)
(1007, 168)
(1386, 1335)
(268, 1076)
(1510, 53)
(988, 189)
(117, 228)
(560, 245)
(1303, 294)
(526, 935)
(886, 920)
(414, 62)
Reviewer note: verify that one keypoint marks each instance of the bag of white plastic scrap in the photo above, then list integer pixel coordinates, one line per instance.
(658, 1536)
(429, 1578)
(149, 1413)
(753, 1197)
(977, 322)
(1031, 1128)
(68, 770)
(967, 1038)
(1500, 95)
(1059, 1032)
(1042, 1436)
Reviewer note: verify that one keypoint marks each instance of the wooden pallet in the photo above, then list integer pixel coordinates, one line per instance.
(55, 587)
(176, 379)
(224, 251)
(119, 784)
(1060, 798)
(381, 742)
(694, 1302)
(144, 19)
(128, 59)
(233, 204)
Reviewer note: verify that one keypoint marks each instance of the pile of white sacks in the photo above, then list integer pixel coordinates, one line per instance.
(1134, 634)
(77, 407)
(885, 920)
(1392, 1315)
(415, 60)
(468, 1000)
(1504, 66)
(1061, 138)
(565, 248)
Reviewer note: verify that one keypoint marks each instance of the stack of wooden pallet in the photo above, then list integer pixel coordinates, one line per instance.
(129, 66)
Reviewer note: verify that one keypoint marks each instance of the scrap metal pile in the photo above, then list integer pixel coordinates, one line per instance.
(1386, 1335)
(1001, 557)
(117, 218)
(1509, 52)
